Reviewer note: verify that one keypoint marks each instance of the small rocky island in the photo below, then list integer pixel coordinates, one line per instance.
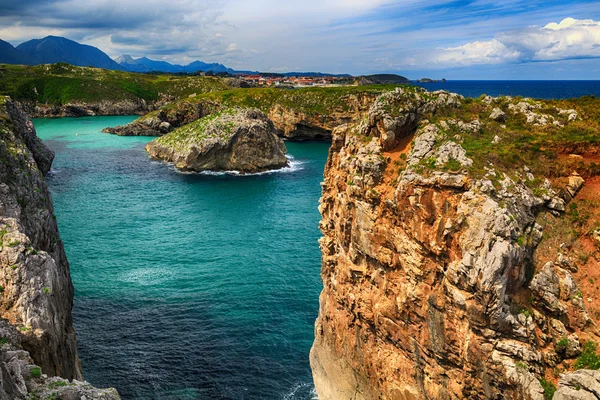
(234, 139)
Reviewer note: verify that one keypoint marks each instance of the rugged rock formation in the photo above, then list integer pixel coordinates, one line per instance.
(36, 288)
(432, 289)
(23, 379)
(166, 119)
(242, 140)
(292, 122)
(122, 107)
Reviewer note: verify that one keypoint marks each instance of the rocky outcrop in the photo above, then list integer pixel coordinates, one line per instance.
(121, 107)
(23, 379)
(241, 140)
(35, 284)
(166, 119)
(579, 385)
(430, 288)
(291, 123)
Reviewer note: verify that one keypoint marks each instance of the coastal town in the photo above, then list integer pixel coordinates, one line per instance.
(296, 81)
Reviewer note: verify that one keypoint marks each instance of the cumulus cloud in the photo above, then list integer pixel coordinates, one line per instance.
(569, 39)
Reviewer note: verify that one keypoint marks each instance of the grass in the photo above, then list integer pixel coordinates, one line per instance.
(588, 359)
(60, 83)
(549, 389)
(35, 372)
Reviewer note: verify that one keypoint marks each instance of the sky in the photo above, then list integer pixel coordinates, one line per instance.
(477, 39)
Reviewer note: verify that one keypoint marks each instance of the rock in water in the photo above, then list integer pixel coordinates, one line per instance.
(234, 139)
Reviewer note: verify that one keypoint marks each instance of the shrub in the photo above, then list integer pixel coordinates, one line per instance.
(588, 358)
(549, 389)
(35, 372)
(561, 345)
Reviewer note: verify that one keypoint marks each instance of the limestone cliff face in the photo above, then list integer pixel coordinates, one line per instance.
(235, 139)
(79, 109)
(291, 122)
(299, 126)
(431, 287)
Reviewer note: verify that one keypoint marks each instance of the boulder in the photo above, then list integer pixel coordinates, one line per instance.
(235, 139)
(498, 115)
(579, 385)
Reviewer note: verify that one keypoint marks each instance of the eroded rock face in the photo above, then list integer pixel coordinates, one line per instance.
(122, 107)
(242, 140)
(37, 290)
(166, 119)
(579, 385)
(425, 272)
(36, 331)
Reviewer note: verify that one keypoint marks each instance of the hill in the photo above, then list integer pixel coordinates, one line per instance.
(60, 84)
(145, 64)
(11, 55)
(54, 49)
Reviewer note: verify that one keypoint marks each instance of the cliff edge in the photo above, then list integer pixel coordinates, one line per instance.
(446, 273)
(35, 285)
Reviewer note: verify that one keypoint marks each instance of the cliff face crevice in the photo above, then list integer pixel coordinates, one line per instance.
(37, 339)
(431, 284)
(37, 293)
(292, 122)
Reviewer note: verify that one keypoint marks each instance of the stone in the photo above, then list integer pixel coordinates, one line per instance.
(578, 385)
(242, 140)
(498, 115)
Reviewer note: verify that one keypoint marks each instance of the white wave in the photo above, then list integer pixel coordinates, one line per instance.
(294, 166)
(301, 387)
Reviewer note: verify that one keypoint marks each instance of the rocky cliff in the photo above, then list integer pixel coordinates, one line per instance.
(89, 109)
(35, 284)
(446, 273)
(297, 115)
(233, 139)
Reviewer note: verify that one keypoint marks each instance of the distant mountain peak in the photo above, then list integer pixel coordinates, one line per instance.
(54, 49)
(126, 59)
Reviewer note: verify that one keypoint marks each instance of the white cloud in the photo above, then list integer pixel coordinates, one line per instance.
(571, 38)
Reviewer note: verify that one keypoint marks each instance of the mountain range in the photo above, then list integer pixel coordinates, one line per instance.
(54, 49)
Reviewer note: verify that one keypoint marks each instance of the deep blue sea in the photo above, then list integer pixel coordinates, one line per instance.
(198, 286)
(187, 286)
(533, 89)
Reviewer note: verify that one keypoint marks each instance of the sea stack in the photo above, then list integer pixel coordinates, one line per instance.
(234, 139)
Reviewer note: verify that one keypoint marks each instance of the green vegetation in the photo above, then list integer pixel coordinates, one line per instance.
(3, 341)
(588, 359)
(549, 388)
(521, 366)
(215, 126)
(561, 345)
(47, 290)
(35, 372)
(63, 83)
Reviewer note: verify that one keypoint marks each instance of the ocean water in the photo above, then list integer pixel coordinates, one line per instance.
(195, 286)
(187, 286)
(533, 89)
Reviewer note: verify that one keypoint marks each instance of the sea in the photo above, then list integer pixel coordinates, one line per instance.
(199, 286)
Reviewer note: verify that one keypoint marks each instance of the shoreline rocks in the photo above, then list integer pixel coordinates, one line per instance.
(236, 139)
(35, 283)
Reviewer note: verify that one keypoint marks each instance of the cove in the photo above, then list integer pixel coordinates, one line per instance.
(187, 286)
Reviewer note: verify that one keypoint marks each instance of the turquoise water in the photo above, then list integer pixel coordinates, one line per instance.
(187, 286)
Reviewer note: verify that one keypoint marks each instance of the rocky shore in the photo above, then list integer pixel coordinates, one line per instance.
(236, 139)
(37, 335)
(434, 287)
(292, 121)
(108, 108)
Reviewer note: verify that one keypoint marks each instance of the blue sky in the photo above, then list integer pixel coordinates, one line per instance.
(479, 39)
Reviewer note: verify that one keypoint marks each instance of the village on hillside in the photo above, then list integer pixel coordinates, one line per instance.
(296, 81)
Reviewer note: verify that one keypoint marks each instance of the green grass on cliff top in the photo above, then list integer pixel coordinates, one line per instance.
(310, 101)
(538, 147)
(58, 84)
(216, 125)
